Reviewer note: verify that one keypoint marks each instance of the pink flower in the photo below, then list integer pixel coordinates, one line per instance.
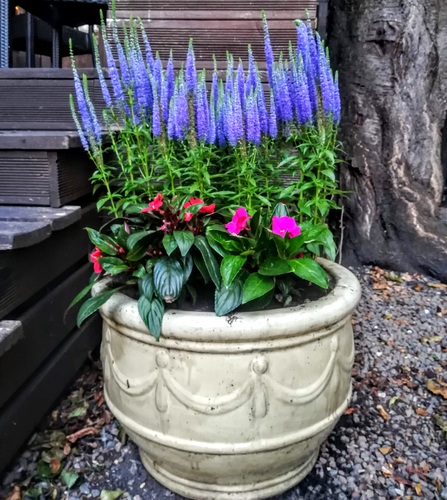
(238, 222)
(94, 256)
(188, 216)
(285, 224)
(154, 205)
(206, 209)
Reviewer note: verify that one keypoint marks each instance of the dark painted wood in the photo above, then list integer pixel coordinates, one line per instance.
(16, 234)
(10, 333)
(38, 140)
(26, 271)
(322, 14)
(43, 328)
(49, 178)
(19, 419)
(58, 218)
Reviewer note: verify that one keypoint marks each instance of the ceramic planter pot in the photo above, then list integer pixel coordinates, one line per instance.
(236, 406)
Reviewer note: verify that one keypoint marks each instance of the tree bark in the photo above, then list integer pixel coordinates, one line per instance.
(392, 62)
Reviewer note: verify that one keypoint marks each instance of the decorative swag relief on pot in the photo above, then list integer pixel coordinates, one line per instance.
(236, 406)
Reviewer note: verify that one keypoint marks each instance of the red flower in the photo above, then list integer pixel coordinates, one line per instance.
(206, 209)
(188, 216)
(94, 256)
(154, 205)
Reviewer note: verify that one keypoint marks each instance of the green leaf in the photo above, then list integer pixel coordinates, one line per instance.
(169, 243)
(103, 242)
(81, 294)
(69, 478)
(259, 303)
(113, 265)
(228, 298)
(329, 173)
(134, 238)
(80, 411)
(200, 264)
(230, 267)
(274, 266)
(184, 240)
(93, 304)
(140, 272)
(256, 286)
(151, 313)
(208, 257)
(110, 494)
(280, 210)
(187, 267)
(146, 286)
(168, 279)
(309, 270)
(329, 245)
(228, 242)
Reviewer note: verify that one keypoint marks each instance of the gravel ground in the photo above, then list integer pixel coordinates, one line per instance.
(391, 443)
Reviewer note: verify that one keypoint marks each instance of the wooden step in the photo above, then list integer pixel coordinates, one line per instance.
(10, 333)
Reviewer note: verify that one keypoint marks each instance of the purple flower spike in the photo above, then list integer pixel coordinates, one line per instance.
(147, 46)
(241, 83)
(283, 104)
(220, 117)
(337, 101)
(164, 101)
(326, 84)
(156, 125)
(273, 125)
(114, 75)
(181, 109)
(171, 119)
(170, 77)
(211, 137)
(238, 117)
(191, 72)
(229, 76)
(202, 110)
(304, 108)
(124, 68)
(253, 126)
(252, 77)
(313, 51)
(215, 89)
(269, 59)
(262, 108)
(158, 73)
(86, 121)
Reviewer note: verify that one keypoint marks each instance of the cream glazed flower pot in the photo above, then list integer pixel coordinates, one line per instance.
(234, 407)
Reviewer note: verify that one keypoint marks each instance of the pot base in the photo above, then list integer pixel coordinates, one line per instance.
(205, 491)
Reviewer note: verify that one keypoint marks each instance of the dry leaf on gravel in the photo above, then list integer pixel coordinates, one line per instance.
(385, 450)
(441, 423)
(382, 412)
(435, 388)
(440, 286)
(349, 411)
(15, 493)
(386, 472)
(55, 465)
(421, 412)
(87, 431)
(436, 338)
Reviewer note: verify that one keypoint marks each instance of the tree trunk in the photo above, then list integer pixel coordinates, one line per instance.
(392, 60)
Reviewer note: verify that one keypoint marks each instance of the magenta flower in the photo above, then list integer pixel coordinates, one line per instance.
(238, 222)
(283, 225)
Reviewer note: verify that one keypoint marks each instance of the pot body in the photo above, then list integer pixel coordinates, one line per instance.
(236, 406)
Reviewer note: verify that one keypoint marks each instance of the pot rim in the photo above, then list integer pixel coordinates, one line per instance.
(121, 312)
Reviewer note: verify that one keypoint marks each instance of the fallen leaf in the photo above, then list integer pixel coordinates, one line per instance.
(349, 411)
(87, 431)
(110, 494)
(385, 450)
(418, 287)
(440, 286)
(436, 338)
(441, 423)
(69, 478)
(386, 472)
(400, 460)
(55, 465)
(15, 493)
(433, 387)
(401, 480)
(80, 411)
(67, 449)
(382, 412)
(422, 412)
(393, 400)
(393, 277)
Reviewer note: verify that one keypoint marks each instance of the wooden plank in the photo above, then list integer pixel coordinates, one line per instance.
(232, 5)
(28, 407)
(26, 271)
(38, 140)
(42, 74)
(322, 15)
(58, 218)
(43, 329)
(15, 234)
(10, 333)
